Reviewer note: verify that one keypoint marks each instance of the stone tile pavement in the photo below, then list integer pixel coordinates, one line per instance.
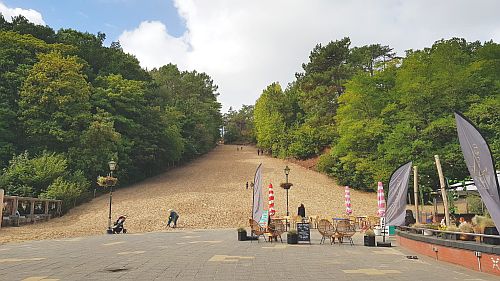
(214, 255)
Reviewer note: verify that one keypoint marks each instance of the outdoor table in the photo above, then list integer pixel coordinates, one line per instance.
(285, 219)
(339, 219)
(361, 221)
(335, 220)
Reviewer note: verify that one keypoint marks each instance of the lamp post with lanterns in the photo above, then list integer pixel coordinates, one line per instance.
(286, 186)
(109, 181)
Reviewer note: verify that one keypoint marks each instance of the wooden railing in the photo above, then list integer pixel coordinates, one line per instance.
(435, 231)
(12, 215)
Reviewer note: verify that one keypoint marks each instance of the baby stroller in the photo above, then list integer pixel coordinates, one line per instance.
(118, 227)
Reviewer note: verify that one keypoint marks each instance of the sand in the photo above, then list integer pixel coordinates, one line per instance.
(209, 192)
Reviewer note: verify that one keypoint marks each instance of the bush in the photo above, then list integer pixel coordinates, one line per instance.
(370, 232)
(466, 227)
(30, 177)
(325, 163)
(475, 204)
(68, 190)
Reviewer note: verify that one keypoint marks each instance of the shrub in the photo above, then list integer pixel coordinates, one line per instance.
(68, 190)
(30, 177)
(475, 204)
(466, 227)
(370, 232)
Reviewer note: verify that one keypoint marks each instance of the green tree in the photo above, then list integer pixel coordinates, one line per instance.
(27, 176)
(54, 102)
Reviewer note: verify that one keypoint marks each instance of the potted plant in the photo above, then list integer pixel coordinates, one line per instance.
(106, 181)
(451, 236)
(416, 231)
(489, 228)
(292, 237)
(242, 234)
(466, 228)
(427, 229)
(369, 238)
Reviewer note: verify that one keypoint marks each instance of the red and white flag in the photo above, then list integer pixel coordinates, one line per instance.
(380, 200)
(271, 200)
(348, 209)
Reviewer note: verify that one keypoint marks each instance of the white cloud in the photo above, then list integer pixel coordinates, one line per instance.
(153, 46)
(32, 15)
(246, 45)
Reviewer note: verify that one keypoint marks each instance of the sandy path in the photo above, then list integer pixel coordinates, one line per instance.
(208, 193)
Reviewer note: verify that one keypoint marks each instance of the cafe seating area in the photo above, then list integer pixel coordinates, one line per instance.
(336, 229)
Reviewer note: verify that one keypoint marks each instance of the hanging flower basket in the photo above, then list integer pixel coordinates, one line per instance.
(286, 185)
(106, 181)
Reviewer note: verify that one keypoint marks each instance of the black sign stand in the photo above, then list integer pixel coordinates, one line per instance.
(304, 232)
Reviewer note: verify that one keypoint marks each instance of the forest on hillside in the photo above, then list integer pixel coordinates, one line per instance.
(366, 111)
(69, 104)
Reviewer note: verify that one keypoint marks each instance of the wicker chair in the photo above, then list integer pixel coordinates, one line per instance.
(256, 229)
(326, 229)
(276, 229)
(345, 229)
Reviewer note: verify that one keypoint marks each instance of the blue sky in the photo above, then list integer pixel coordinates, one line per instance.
(245, 45)
(109, 16)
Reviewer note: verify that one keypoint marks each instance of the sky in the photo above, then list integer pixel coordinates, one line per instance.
(246, 45)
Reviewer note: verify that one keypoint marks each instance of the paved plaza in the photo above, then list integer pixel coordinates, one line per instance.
(215, 255)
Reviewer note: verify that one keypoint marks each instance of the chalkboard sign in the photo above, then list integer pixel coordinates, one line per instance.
(304, 232)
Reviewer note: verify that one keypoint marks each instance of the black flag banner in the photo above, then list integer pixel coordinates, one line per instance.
(481, 167)
(396, 203)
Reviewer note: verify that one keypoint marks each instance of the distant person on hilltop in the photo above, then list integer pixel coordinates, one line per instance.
(172, 218)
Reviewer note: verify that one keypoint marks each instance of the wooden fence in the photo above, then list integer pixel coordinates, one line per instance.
(21, 210)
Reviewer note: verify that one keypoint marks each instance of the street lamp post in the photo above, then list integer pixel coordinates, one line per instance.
(287, 171)
(110, 183)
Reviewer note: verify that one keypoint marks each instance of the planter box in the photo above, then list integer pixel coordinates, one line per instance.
(491, 231)
(292, 239)
(451, 236)
(242, 235)
(416, 231)
(369, 241)
(428, 232)
(466, 237)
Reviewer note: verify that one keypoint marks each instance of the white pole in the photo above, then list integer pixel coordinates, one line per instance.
(415, 192)
(1, 207)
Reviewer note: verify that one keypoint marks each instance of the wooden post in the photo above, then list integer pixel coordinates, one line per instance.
(415, 192)
(443, 190)
(1, 207)
(58, 204)
(15, 204)
(46, 207)
(32, 211)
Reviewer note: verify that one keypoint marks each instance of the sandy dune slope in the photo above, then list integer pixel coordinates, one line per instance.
(208, 193)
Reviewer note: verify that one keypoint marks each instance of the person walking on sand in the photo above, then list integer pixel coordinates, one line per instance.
(172, 218)
(301, 211)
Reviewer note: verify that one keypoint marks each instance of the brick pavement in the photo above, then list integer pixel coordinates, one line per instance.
(214, 255)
